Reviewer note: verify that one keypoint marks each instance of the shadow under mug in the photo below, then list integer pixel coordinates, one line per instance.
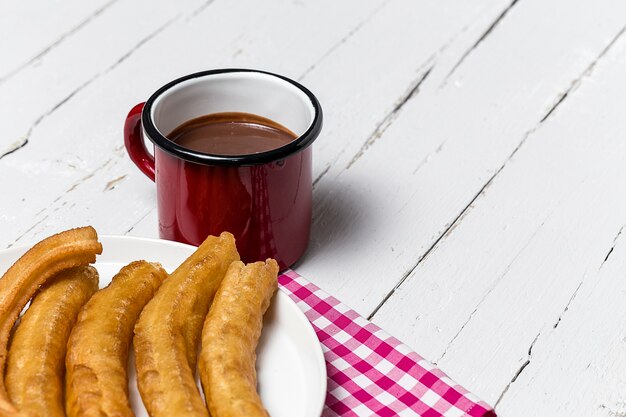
(263, 199)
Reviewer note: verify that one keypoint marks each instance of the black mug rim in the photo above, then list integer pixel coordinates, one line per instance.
(300, 143)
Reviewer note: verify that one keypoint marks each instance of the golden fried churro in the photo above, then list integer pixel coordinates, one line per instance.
(35, 364)
(72, 248)
(169, 329)
(97, 352)
(230, 337)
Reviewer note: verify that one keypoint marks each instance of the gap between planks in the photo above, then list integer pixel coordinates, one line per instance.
(560, 99)
(555, 325)
(25, 140)
(22, 142)
(412, 91)
(343, 40)
(519, 371)
(484, 36)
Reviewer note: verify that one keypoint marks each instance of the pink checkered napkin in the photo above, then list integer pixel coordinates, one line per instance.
(371, 373)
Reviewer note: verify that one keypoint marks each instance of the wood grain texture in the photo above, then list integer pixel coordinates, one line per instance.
(468, 181)
(504, 277)
(31, 29)
(401, 196)
(80, 171)
(77, 60)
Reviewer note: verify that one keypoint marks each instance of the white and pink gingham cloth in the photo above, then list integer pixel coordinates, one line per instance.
(371, 373)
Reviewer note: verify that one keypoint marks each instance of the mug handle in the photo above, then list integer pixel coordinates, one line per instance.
(135, 146)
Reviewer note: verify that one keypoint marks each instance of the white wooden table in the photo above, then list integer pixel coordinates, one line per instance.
(470, 191)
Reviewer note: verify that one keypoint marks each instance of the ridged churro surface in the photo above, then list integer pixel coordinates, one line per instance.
(69, 249)
(230, 336)
(35, 366)
(97, 354)
(169, 329)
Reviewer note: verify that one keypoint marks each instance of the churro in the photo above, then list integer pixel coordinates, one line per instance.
(230, 336)
(72, 248)
(35, 365)
(169, 328)
(97, 353)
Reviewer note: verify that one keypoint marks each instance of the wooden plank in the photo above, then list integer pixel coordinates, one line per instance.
(78, 170)
(365, 82)
(435, 123)
(578, 368)
(81, 58)
(170, 41)
(31, 29)
(565, 288)
(378, 66)
(376, 219)
(508, 302)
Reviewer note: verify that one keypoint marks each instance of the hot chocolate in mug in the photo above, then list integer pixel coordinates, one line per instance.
(262, 198)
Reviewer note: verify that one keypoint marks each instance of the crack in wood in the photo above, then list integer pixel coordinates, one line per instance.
(56, 43)
(56, 200)
(26, 139)
(113, 183)
(557, 103)
(427, 158)
(586, 73)
(139, 45)
(449, 228)
(484, 36)
(15, 146)
(344, 39)
(386, 118)
(139, 221)
(490, 290)
(26, 232)
(391, 116)
(419, 166)
(319, 177)
(606, 258)
(200, 9)
(57, 208)
(431, 59)
(568, 304)
(466, 209)
(61, 103)
(83, 179)
(519, 371)
(452, 39)
(469, 318)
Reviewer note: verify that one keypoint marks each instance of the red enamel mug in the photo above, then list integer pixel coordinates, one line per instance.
(263, 199)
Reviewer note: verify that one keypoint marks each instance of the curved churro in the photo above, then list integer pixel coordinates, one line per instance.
(72, 248)
(230, 336)
(97, 352)
(34, 377)
(168, 330)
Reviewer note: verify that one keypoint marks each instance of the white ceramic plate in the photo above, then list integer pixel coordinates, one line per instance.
(290, 363)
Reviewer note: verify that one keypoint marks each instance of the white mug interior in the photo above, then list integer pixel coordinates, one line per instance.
(258, 93)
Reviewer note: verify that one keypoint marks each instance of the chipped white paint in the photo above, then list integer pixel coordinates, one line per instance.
(470, 190)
